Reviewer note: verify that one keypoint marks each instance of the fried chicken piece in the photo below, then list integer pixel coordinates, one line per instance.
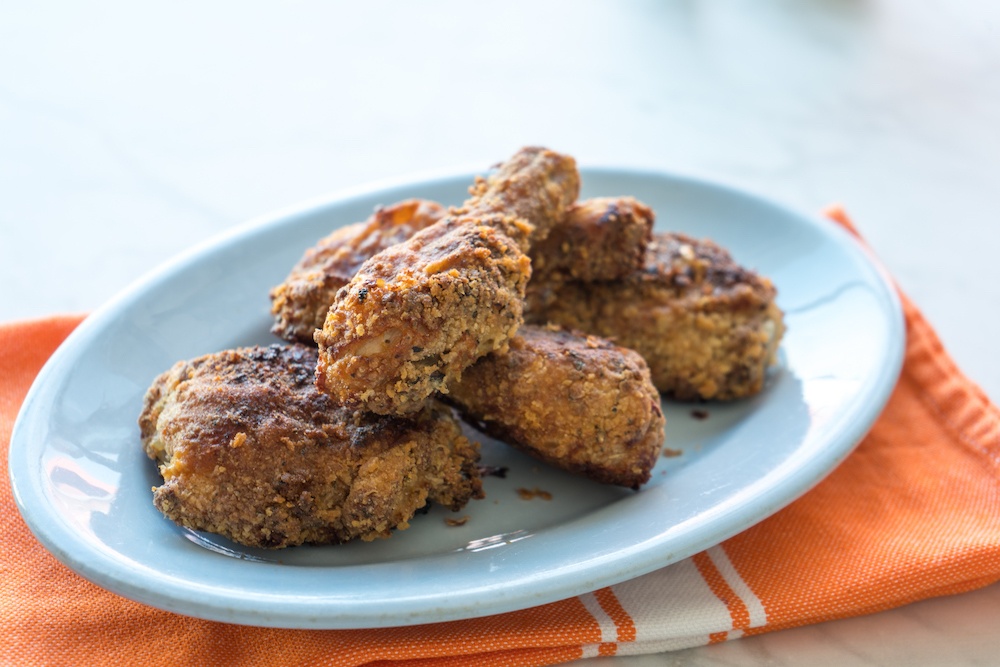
(604, 238)
(536, 186)
(419, 313)
(249, 449)
(300, 303)
(600, 239)
(708, 327)
(577, 402)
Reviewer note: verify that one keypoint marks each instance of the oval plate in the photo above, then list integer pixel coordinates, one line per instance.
(82, 481)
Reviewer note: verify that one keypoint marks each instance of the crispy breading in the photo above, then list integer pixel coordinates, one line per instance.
(600, 239)
(708, 327)
(575, 401)
(604, 238)
(536, 185)
(300, 303)
(419, 313)
(249, 449)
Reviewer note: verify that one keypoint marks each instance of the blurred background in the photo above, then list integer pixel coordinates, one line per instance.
(148, 127)
(131, 131)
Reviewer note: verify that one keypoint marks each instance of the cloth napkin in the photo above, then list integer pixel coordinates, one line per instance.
(912, 513)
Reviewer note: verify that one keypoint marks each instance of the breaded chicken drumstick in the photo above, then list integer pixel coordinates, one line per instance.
(577, 402)
(535, 185)
(420, 312)
(249, 449)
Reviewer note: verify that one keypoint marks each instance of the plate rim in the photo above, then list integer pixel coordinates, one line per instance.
(301, 616)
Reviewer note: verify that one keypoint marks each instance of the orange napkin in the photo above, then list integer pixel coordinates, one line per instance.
(913, 513)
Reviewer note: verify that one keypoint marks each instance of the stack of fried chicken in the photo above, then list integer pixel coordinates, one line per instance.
(549, 323)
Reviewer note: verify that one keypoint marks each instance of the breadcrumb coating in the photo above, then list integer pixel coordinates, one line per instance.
(575, 401)
(604, 238)
(536, 186)
(417, 314)
(707, 327)
(300, 303)
(248, 449)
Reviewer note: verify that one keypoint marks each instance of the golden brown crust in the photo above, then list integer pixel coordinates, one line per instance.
(419, 313)
(250, 450)
(604, 238)
(708, 327)
(300, 303)
(535, 186)
(575, 401)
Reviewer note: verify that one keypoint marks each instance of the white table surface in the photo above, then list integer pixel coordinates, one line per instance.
(131, 131)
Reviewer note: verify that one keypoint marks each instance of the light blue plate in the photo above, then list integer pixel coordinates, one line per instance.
(83, 483)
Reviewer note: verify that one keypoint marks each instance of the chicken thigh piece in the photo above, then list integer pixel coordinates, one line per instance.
(577, 402)
(708, 327)
(250, 450)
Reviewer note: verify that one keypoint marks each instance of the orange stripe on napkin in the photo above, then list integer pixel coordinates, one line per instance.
(624, 626)
(738, 612)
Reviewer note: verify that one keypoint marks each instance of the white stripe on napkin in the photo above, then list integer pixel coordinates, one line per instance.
(758, 615)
